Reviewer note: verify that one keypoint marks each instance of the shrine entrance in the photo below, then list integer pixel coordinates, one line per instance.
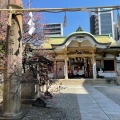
(79, 51)
(79, 67)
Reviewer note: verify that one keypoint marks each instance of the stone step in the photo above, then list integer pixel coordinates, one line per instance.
(81, 81)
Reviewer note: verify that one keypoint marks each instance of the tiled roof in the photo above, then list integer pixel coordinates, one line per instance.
(104, 39)
(60, 40)
(53, 40)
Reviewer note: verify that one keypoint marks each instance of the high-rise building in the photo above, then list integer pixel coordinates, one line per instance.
(53, 29)
(102, 22)
(116, 31)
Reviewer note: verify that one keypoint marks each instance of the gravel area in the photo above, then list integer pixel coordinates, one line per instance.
(112, 92)
(64, 107)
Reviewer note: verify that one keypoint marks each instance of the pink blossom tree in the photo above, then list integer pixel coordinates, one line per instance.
(36, 39)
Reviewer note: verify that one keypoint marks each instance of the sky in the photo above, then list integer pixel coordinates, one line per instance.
(74, 19)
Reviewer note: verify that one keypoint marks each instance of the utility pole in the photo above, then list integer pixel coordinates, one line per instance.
(13, 66)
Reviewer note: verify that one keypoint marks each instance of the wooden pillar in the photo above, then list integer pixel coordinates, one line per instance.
(102, 61)
(13, 67)
(55, 69)
(115, 62)
(94, 68)
(66, 68)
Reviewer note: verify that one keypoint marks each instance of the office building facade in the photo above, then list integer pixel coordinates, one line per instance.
(116, 31)
(102, 22)
(53, 29)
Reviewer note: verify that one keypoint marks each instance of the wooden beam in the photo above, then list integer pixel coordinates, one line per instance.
(65, 50)
(60, 54)
(79, 44)
(80, 55)
(54, 10)
(80, 48)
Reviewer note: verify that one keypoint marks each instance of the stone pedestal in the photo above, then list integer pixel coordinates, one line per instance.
(118, 77)
(28, 90)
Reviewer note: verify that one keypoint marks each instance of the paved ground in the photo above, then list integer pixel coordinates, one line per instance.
(94, 105)
(79, 103)
(65, 107)
(112, 92)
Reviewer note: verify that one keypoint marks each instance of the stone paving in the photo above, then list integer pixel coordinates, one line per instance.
(80, 103)
(65, 107)
(75, 102)
(94, 105)
(112, 92)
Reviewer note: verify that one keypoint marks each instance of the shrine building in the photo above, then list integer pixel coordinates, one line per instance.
(83, 55)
